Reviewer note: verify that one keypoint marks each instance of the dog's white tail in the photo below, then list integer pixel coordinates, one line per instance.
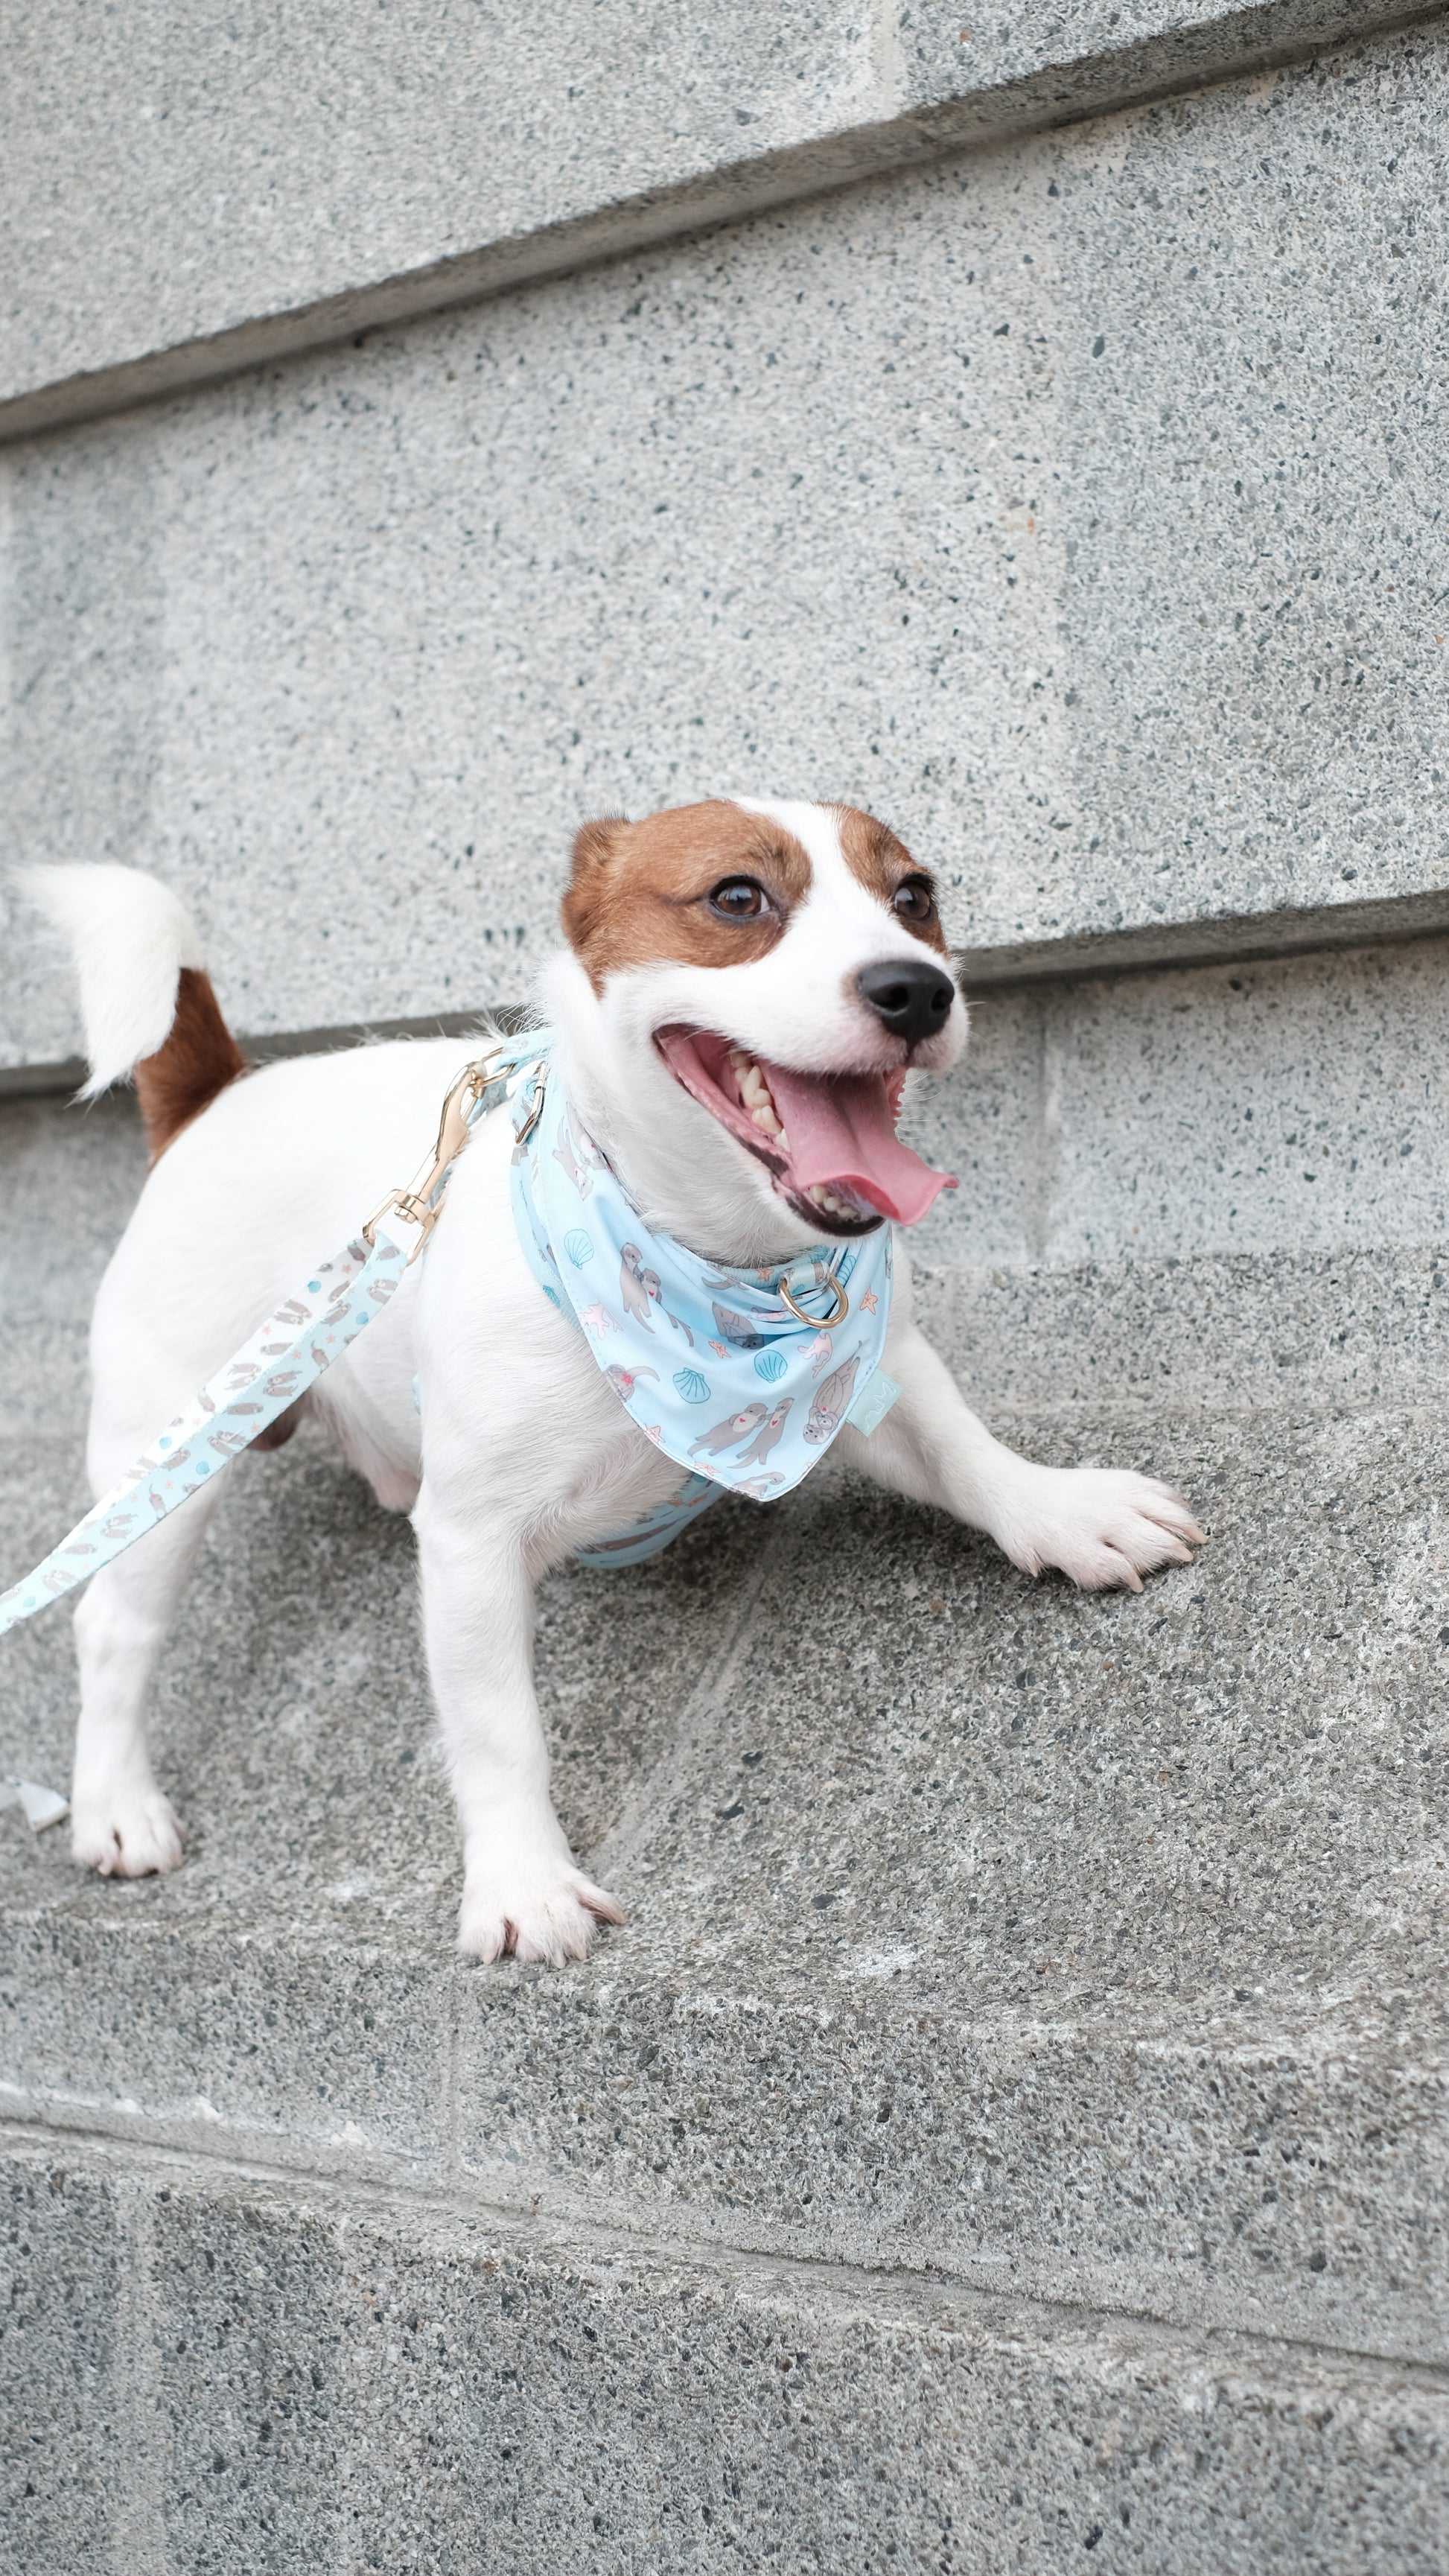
(129, 936)
(146, 999)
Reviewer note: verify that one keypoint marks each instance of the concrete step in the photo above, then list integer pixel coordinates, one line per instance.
(208, 2368)
(1090, 1947)
(1028, 2023)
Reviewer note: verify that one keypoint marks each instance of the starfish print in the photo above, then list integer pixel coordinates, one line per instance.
(869, 1302)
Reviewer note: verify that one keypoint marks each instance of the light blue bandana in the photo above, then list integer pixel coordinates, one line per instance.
(744, 1395)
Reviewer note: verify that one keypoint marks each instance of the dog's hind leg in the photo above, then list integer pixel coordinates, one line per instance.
(121, 1822)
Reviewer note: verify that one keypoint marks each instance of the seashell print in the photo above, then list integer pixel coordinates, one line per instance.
(579, 1247)
(771, 1366)
(691, 1386)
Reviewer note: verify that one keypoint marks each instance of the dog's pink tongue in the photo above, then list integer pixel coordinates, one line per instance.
(840, 1131)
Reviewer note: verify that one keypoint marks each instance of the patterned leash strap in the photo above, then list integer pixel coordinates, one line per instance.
(287, 1354)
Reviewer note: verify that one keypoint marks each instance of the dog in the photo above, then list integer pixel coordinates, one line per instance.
(730, 969)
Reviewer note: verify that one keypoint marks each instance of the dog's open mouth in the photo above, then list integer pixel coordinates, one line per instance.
(829, 1139)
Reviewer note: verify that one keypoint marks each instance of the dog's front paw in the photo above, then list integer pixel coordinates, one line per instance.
(127, 1833)
(537, 1907)
(1100, 1525)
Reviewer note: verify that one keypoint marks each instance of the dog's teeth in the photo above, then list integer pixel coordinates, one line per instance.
(763, 1115)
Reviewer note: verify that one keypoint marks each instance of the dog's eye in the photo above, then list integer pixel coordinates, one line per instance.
(739, 899)
(915, 900)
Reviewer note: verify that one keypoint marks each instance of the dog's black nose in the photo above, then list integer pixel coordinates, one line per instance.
(911, 995)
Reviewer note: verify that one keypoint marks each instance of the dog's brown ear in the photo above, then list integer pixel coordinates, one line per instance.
(595, 843)
(594, 846)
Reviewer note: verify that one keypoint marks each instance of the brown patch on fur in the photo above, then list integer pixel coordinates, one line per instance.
(640, 891)
(882, 863)
(199, 1058)
(278, 1433)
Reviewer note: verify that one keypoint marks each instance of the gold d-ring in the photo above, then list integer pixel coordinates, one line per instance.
(822, 1323)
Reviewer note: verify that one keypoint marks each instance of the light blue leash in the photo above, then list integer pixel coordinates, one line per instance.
(287, 1354)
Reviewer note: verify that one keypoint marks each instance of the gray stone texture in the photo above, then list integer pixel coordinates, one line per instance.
(1232, 1109)
(1010, 2130)
(402, 2385)
(1088, 1948)
(182, 192)
(72, 1176)
(63, 2309)
(1048, 499)
(1168, 1903)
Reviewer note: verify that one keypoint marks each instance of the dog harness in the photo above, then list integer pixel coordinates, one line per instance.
(761, 1366)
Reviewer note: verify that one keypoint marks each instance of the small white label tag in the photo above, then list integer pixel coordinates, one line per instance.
(873, 1402)
(42, 1806)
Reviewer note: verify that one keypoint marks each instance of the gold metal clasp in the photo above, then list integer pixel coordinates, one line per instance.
(421, 1203)
(822, 1323)
(527, 1124)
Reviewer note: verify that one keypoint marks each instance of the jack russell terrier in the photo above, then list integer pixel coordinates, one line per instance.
(744, 989)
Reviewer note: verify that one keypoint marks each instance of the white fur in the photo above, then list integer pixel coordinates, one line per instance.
(129, 938)
(522, 1451)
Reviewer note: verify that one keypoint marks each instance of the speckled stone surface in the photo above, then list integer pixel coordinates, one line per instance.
(63, 2315)
(1092, 1948)
(1229, 1109)
(200, 192)
(1046, 499)
(188, 176)
(1011, 2128)
(1148, 1891)
(403, 2385)
(71, 1178)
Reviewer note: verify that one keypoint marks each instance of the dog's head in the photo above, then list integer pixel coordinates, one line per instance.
(747, 985)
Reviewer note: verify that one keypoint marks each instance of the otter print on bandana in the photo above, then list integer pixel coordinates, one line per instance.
(710, 1363)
